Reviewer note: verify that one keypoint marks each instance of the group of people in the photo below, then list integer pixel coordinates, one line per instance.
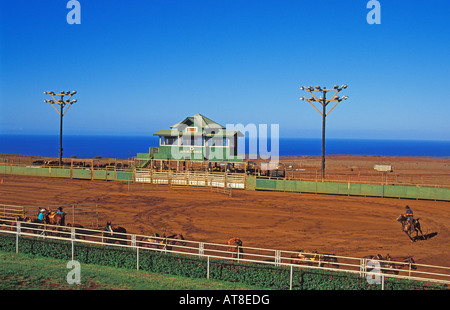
(41, 215)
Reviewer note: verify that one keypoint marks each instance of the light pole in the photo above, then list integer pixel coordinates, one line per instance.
(61, 103)
(324, 102)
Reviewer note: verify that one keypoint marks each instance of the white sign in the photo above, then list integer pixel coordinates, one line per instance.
(382, 167)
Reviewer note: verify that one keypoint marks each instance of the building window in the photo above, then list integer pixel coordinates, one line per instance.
(191, 140)
(218, 141)
(191, 129)
(170, 140)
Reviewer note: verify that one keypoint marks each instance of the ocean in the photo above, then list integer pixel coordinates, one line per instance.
(128, 146)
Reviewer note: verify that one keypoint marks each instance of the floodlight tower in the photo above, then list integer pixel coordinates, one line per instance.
(61, 103)
(324, 102)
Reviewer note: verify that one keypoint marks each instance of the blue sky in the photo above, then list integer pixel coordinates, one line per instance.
(141, 66)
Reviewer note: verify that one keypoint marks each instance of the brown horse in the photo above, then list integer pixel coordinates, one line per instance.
(30, 225)
(310, 259)
(397, 263)
(235, 247)
(383, 261)
(53, 218)
(328, 259)
(79, 231)
(117, 233)
(314, 259)
(162, 242)
(174, 239)
(10, 224)
(152, 241)
(409, 229)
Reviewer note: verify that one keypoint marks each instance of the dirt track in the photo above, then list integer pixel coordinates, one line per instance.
(352, 226)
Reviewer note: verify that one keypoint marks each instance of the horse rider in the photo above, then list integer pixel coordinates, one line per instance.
(41, 215)
(410, 217)
(63, 219)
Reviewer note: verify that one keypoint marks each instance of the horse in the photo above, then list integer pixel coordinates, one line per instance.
(314, 258)
(329, 259)
(79, 231)
(383, 261)
(151, 242)
(408, 230)
(53, 218)
(235, 247)
(397, 263)
(30, 225)
(117, 234)
(162, 242)
(11, 223)
(173, 239)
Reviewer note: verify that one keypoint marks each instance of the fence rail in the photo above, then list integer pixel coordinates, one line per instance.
(364, 267)
(197, 179)
(85, 214)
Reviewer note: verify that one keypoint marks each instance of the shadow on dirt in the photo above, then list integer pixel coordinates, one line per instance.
(425, 237)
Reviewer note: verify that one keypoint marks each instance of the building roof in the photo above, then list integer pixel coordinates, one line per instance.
(199, 120)
(207, 125)
(176, 133)
(167, 132)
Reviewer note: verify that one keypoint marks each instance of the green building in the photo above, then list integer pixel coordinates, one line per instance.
(196, 138)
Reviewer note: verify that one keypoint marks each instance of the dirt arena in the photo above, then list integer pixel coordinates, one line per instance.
(349, 226)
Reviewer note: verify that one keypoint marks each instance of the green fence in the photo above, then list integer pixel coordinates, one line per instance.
(357, 189)
(76, 173)
(253, 183)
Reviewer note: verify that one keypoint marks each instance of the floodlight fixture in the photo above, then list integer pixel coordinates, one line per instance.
(324, 102)
(62, 104)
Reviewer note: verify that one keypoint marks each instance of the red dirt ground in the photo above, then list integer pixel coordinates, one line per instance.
(349, 226)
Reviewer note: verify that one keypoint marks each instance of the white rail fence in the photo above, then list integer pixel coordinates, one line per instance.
(85, 214)
(199, 179)
(364, 267)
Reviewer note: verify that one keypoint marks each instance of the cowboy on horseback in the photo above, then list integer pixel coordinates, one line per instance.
(410, 217)
(60, 211)
(41, 216)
